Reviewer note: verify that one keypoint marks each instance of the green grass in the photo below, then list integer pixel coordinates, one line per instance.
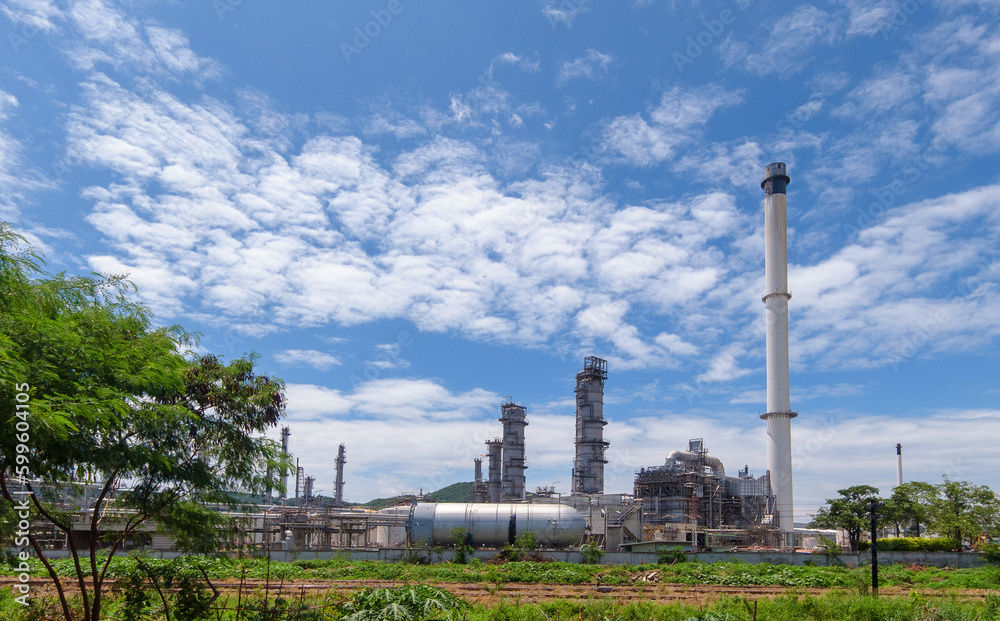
(422, 602)
(730, 573)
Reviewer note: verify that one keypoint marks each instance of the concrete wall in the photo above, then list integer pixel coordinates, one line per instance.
(934, 559)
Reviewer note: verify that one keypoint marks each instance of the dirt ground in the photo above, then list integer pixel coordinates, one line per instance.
(489, 594)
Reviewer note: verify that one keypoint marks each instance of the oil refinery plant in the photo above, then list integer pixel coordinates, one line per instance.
(687, 500)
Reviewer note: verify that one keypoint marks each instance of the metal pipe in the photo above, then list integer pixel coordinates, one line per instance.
(779, 413)
(712, 462)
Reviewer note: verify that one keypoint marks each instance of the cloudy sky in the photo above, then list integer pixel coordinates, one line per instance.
(413, 211)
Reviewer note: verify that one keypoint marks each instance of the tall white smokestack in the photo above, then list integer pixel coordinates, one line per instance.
(779, 412)
(899, 464)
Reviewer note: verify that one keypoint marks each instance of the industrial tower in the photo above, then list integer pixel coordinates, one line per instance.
(494, 462)
(338, 485)
(513, 419)
(285, 432)
(779, 413)
(588, 466)
(479, 493)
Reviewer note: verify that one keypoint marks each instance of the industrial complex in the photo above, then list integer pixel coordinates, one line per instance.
(687, 500)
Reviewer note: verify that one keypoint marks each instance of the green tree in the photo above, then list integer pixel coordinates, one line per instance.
(910, 507)
(849, 512)
(463, 544)
(119, 427)
(963, 510)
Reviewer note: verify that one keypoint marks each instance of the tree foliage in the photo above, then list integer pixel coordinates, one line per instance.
(849, 512)
(963, 510)
(957, 510)
(122, 426)
(911, 506)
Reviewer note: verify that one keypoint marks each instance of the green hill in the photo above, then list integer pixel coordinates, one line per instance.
(456, 492)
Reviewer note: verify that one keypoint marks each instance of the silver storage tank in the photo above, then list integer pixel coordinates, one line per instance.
(494, 524)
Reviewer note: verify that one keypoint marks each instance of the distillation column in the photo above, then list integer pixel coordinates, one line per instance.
(588, 466)
(513, 419)
(478, 485)
(779, 411)
(338, 484)
(285, 432)
(494, 489)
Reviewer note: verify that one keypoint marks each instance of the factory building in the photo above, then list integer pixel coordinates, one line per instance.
(690, 493)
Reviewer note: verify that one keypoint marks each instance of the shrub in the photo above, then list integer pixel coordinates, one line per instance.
(591, 553)
(409, 603)
(914, 544)
(671, 557)
(991, 554)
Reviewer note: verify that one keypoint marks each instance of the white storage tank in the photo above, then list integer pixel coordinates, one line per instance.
(495, 524)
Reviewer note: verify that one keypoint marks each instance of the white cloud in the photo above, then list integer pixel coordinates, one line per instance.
(893, 294)
(867, 17)
(38, 14)
(311, 357)
(788, 46)
(593, 66)
(724, 366)
(521, 62)
(211, 220)
(564, 12)
(675, 122)
(114, 41)
(17, 179)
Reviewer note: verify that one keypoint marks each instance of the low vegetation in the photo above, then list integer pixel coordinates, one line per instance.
(529, 572)
(188, 589)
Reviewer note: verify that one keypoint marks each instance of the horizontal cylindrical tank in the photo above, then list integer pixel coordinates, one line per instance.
(494, 524)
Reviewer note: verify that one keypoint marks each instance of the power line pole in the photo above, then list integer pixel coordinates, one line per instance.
(874, 509)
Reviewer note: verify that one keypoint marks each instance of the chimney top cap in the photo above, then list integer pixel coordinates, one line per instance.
(777, 169)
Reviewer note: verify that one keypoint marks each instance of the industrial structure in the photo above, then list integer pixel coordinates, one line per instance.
(899, 464)
(588, 466)
(690, 493)
(494, 450)
(493, 525)
(514, 464)
(688, 500)
(479, 490)
(338, 484)
(779, 413)
(285, 432)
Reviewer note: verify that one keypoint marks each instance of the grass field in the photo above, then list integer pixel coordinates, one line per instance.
(255, 590)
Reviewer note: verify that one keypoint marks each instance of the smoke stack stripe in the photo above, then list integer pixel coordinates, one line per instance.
(899, 464)
(779, 412)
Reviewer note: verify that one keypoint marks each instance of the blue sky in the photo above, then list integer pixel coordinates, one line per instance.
(414, 210)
